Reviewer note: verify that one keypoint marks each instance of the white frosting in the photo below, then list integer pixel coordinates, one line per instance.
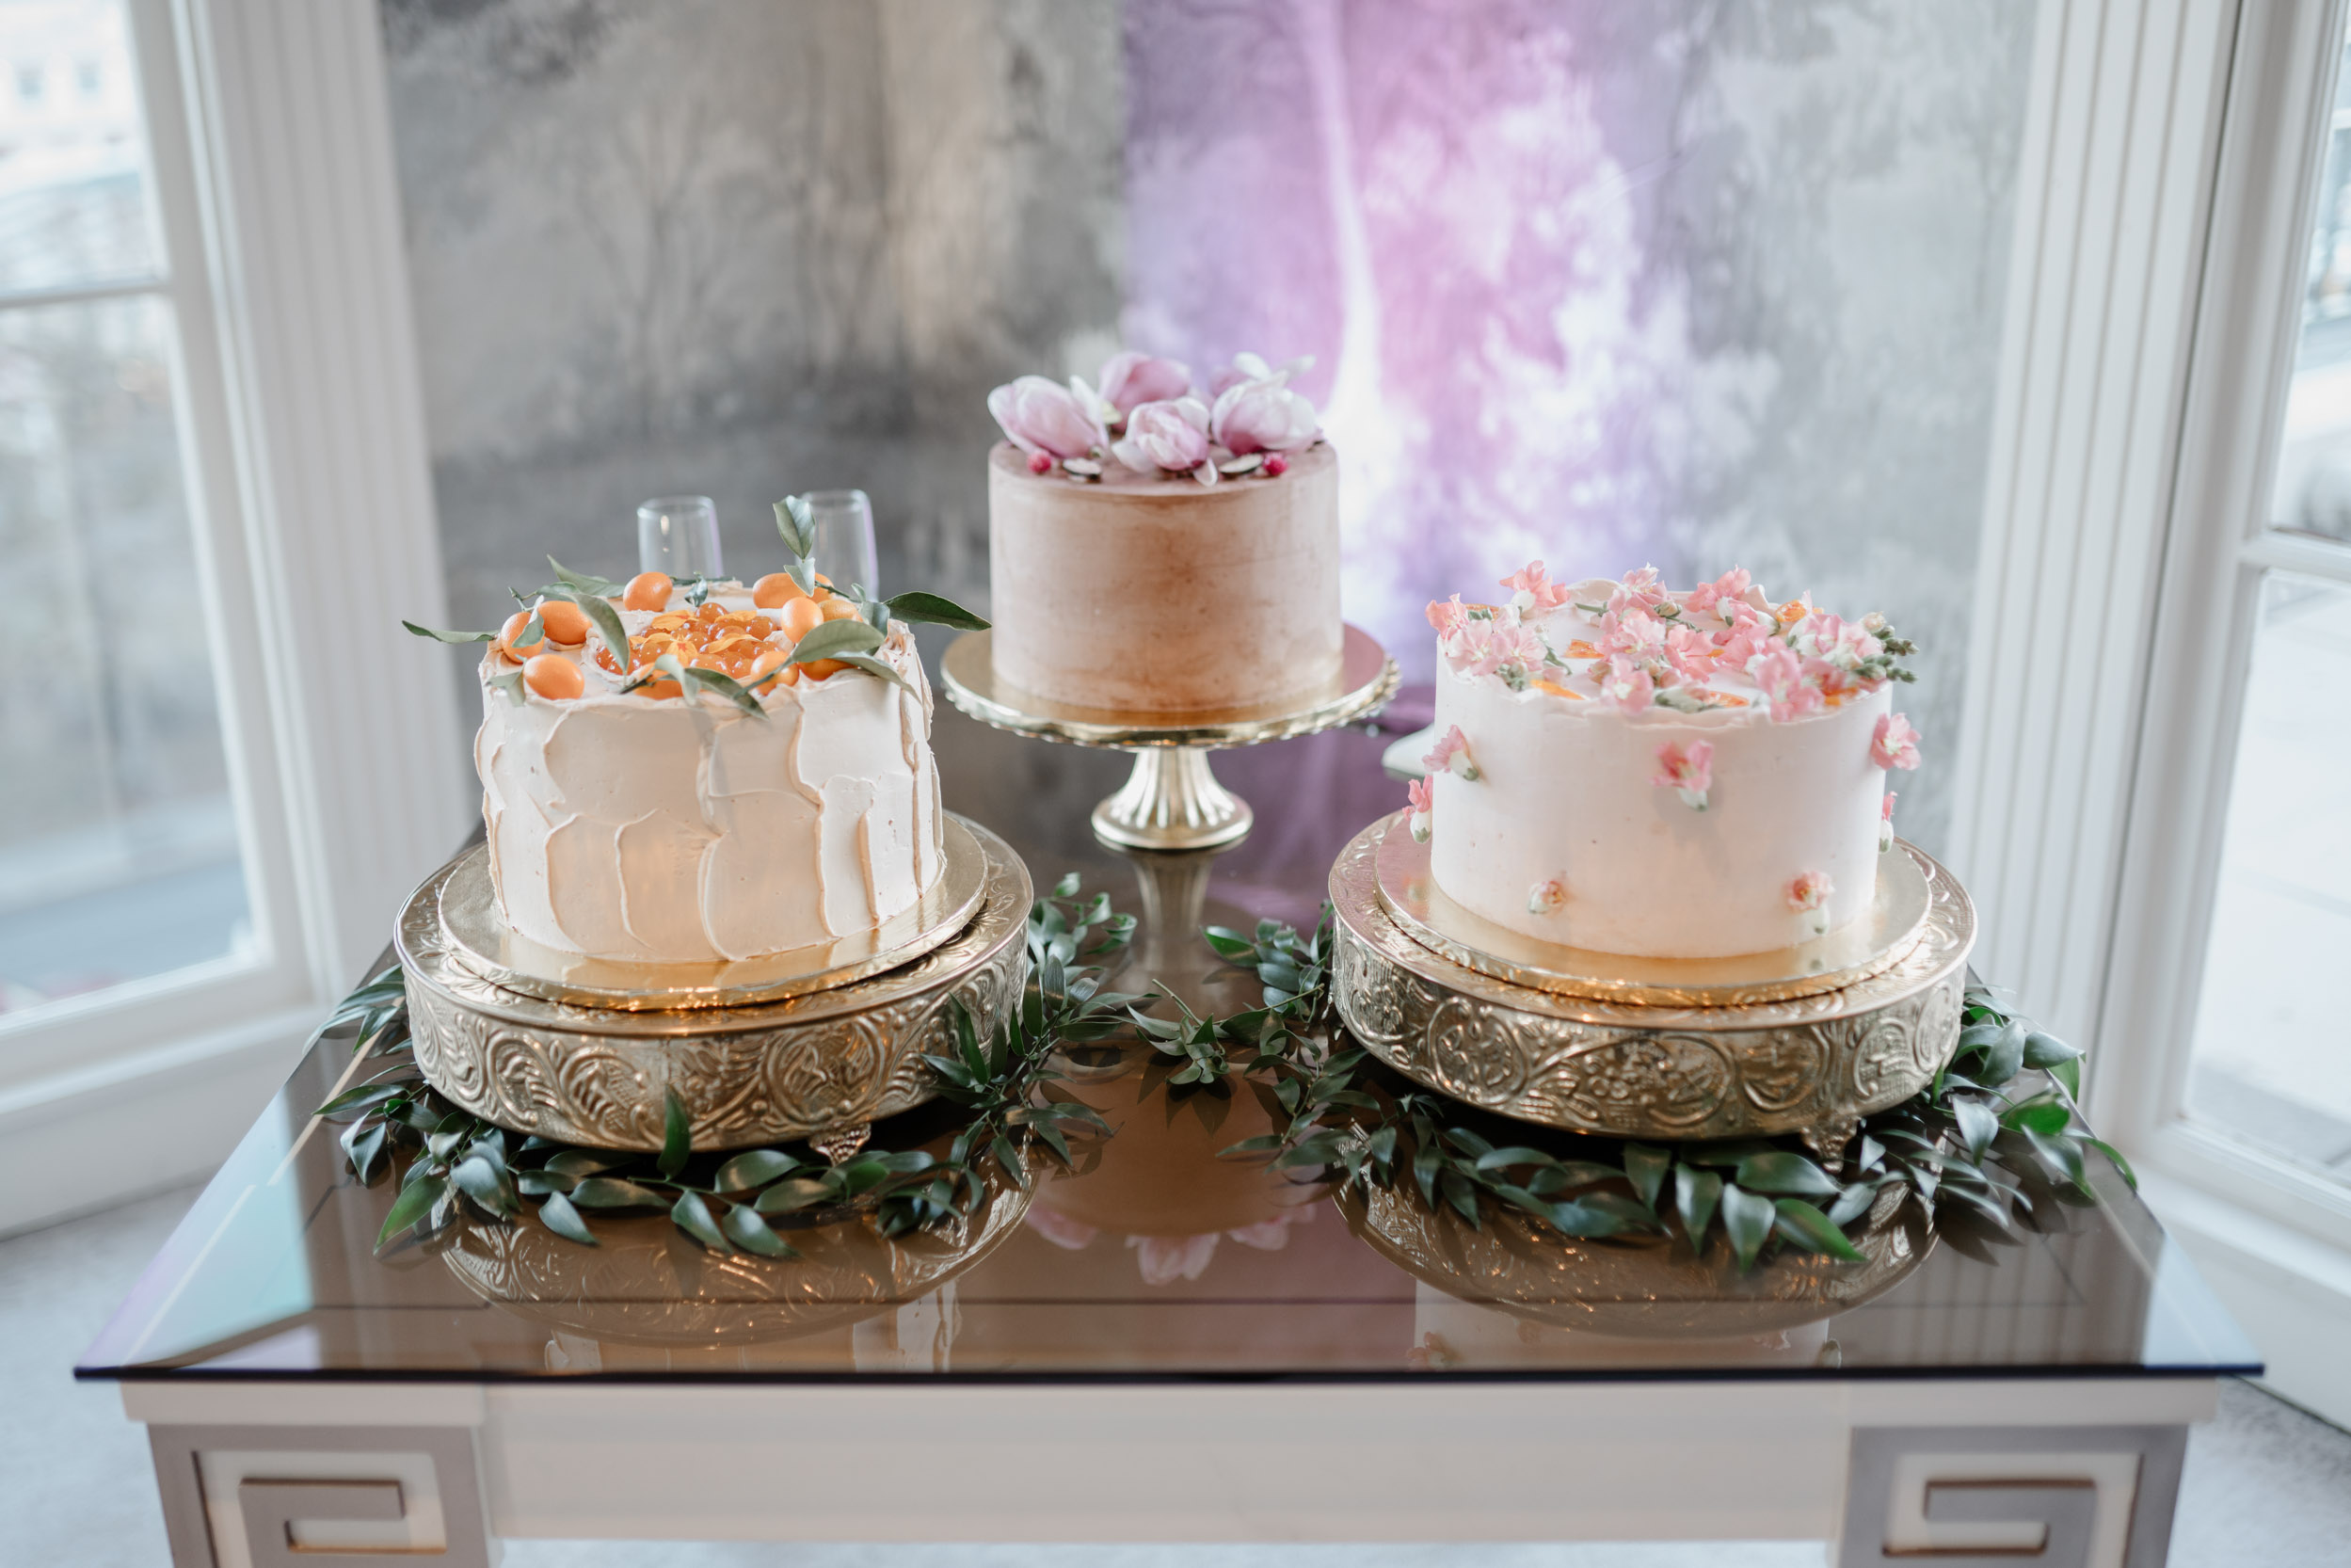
(686, 830)
(1566, 792)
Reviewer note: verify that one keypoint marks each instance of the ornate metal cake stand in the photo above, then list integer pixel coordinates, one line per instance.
(1638, 1290)
(821, 1066)
(1814, 1064)
(1171, 801)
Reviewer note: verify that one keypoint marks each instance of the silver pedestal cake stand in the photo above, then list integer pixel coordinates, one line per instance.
(816, 1046)
(1171, 801)
(1808, 1040)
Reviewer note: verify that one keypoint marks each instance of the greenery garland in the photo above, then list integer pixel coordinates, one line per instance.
(2003, 1108)
(445, 1158)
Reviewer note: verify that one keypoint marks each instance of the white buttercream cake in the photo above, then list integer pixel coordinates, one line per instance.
(1628, 770)
(1155, 548)
(660, 824)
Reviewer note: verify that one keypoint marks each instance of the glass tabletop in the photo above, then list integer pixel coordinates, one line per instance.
(1154, 1258)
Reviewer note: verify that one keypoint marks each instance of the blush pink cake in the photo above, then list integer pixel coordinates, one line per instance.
(1157, 550)
(1628, 770)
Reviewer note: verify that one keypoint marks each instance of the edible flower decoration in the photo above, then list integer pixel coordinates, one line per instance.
(1885, 824)
(1687, 770)
(1808, 892)
(1894, 744)
(1147, 416)
(1637, 646)
(1052, 423)
(1172, 436)
(1546, 897)
(1452, 755)
(800, 628)
(1418, 793)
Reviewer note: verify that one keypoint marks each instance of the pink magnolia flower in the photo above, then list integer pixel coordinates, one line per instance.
(1252, 367)
(1687, 769)
(1447, 615)
(1894, 744)
(1166, 1259)
(1780, 676)
(1169, 436)
(1452, 755)
(1423, 800)
(1059, 1228)
(1810, 890)
(1546, 898)
(1263, 415)
(1045, 417)
(1885, 824)
(1626, 686)
(1131, 379)
(1531, 589)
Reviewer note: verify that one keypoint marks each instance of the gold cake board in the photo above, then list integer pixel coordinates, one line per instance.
(1812, 1064)
(1170, 802)
(822, 1065)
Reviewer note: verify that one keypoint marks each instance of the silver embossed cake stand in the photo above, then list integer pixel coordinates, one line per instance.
(1171, 801)
(1807, 1042)
(821, 1065)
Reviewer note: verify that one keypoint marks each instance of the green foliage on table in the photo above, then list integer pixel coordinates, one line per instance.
(2005, 1102)
(444, 1157)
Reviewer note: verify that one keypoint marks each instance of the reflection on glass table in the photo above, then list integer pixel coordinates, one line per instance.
(1231, 1289)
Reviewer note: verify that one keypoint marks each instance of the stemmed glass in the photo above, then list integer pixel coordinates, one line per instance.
(678, 535)
(845, 539)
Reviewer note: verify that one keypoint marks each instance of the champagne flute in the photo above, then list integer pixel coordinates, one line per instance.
(678, 535)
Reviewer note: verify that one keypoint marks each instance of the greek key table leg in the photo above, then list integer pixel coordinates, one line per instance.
(1992, 1497)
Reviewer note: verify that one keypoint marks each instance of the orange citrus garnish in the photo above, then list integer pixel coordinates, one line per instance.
(647, 590)
(565, 623)
(1581, 649)
(554, 677)
(840, 609)
(802, 617)
(776, 590)
(1542, 685)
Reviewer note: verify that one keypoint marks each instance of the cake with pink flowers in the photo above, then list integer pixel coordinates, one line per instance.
(1667, 775)
(1158, 548)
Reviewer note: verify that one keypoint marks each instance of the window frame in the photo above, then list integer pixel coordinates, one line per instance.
(308, 485)
(2222, 546)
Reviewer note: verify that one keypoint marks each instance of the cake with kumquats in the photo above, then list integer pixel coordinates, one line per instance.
(1154, 548)
(703, 771)
(1668, 774)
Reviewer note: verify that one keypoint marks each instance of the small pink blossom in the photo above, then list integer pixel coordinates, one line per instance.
(1690, 651)
(1810, 890)
(1721, 595)
(1131, 379)
(1547, 896)
(1503, 644)
(1750, 635)
(1262, 414)
(1687, 769)
(1894, 744)
(1423, 800)
(1626, 686)
(1173, 437)
(1632, 630)
(1885, 824)
(1040, 416)
(1446, 614)
(1833, 681)
(1533, 591)
(1780, 676)
(1452, 755)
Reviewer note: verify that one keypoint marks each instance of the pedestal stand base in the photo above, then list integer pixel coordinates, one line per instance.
(1172, 801)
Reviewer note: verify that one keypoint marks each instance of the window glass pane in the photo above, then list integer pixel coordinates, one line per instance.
(73, 157)
(118, 853)
(2273, 1042)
